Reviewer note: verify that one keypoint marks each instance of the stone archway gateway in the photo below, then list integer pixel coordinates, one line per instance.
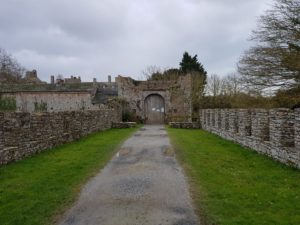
(154, 109)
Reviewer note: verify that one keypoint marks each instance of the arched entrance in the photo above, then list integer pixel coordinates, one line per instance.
(154, 109)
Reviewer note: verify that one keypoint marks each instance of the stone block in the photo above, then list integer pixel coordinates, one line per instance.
(260, 124)
(282, 132)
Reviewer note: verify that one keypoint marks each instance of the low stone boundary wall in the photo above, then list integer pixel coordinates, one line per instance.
(185, 125)
(274, 132)
(124, 125)
(24, 134)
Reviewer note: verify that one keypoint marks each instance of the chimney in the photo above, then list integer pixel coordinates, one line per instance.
(52, 79)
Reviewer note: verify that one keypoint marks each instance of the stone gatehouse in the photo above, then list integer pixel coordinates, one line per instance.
(158, 101)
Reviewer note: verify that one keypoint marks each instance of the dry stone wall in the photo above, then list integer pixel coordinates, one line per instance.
(274, 132)
(25, 134)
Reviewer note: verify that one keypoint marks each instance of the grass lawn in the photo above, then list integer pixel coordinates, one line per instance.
(234, 185)
(36, 190)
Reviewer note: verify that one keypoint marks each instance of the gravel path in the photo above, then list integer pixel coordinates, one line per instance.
(142, 185)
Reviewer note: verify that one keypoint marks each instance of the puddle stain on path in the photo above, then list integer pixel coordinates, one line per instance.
(142, 184)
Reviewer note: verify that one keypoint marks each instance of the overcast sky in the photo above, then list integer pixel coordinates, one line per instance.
(96, 38)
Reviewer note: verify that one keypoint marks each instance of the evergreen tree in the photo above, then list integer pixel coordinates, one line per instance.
(190, 64)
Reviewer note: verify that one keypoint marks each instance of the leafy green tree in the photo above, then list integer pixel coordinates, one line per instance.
(172, 74)
(156, 73)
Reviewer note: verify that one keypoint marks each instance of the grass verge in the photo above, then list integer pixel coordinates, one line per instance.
(234, 185)
(37, 189)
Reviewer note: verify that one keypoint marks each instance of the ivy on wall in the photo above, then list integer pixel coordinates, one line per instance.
(8, 104)
(40, 106)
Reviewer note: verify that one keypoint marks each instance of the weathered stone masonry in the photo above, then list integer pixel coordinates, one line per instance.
(274, 132)
(175, 93)
(24, 134)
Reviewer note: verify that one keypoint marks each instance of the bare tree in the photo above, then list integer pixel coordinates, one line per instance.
(152, 71)
(10, 70)
(232, 84)
(214, 85)
(275, 60)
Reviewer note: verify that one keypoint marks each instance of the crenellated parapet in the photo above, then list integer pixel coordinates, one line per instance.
(274, 132)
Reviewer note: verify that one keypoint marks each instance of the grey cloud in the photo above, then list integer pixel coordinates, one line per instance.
(96, 38)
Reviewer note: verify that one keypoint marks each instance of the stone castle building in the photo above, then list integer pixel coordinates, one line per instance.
(157, 101)
(150, 101)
